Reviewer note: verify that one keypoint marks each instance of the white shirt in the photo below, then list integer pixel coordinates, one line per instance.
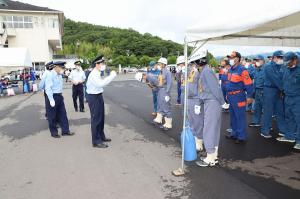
(95, 82)
(77, 76)
(67, 73)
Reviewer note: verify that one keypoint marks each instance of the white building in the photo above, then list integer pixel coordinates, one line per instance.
(38, 29)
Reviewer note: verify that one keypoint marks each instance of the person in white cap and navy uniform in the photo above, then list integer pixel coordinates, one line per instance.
(77, 77)
(94, 89)
(55, 106)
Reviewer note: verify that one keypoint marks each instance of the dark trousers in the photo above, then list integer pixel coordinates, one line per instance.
(78, 92)
(96, 105)
(178, 93)
(46, 98)
(57, 113)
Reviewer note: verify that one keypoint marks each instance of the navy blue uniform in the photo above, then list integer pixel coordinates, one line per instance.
(56, 112)
(273, 102)
(95, 84)
(291, 85)
(259, 90)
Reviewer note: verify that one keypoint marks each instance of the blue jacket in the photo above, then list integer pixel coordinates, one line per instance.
(223, 77)
(251, 71)
(259, 76)
(32, 76)
(155, 73)
(291, 81)
(239, 80)
(162, 81)
(274, 75)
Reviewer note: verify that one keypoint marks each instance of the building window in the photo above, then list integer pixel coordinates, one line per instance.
(53, 23)
(39, 65)
(28, 22)
(17, 21)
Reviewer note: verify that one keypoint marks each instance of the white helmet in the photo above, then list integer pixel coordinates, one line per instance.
(198, 55)
(180, 60)
(163, 61)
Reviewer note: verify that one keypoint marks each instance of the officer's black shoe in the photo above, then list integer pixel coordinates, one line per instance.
(107, 140)
(82, 110)
(68, 134)
(230, 137)
(240, 141)
(101, 145)
(76, 109)
(55, 136)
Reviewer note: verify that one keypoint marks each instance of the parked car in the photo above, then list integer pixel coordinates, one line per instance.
(143, 69)
(132, 70)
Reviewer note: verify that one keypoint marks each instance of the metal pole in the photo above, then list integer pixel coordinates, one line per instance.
(185, 99)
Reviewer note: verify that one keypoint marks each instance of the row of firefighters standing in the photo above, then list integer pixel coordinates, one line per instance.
(206, 97)
(204, 102)
(276, 90)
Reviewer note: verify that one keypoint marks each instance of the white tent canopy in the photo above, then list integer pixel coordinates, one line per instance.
(244, 23)
(252, 23)
(15, 57)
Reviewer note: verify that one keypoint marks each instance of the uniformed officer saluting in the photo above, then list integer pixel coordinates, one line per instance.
(94, 89)
(77, 78)
(55, 106)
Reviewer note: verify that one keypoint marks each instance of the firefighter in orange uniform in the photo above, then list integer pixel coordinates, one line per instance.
(239, 94)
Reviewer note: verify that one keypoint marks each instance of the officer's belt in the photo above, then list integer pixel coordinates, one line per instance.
(95, 94)
(234, 92)
(57, 94)
(78, 84)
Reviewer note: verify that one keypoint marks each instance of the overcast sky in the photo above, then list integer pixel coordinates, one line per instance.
(164, 18)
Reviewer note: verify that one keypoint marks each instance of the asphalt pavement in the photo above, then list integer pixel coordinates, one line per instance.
(140, 159)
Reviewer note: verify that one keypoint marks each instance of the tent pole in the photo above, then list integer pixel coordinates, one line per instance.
(180, 171)
(185, 100)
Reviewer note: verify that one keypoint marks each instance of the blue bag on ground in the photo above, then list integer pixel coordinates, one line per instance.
(190, 153)
(26, 90)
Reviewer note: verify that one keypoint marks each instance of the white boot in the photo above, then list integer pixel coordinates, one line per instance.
(158, 118)
(199, 144)
(168, 123)
(208, 161)
(216, 155)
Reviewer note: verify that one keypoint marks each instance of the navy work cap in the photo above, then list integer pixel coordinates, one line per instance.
(278, 53)
(152, 64)
(259, 57)
(289, 56)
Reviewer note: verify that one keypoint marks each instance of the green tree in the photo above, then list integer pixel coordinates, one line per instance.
(119, 60)
(172, 59)
(145, 60)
